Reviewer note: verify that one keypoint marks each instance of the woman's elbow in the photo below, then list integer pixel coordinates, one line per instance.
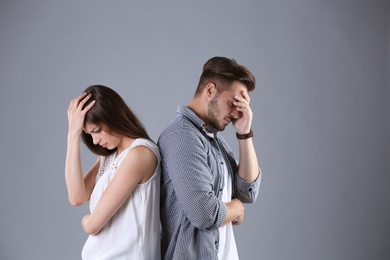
(76, 201)
(91, 230)
(88, 227)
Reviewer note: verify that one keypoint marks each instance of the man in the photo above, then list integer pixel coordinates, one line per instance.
(203, 186)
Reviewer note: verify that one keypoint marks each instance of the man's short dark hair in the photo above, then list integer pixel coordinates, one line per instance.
(223, 72)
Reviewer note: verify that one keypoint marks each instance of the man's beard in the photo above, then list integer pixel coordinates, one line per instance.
(214, 113)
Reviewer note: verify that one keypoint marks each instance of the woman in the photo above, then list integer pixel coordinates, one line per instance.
(123, 185)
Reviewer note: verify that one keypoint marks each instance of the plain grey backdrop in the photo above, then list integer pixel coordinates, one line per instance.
(321, 112)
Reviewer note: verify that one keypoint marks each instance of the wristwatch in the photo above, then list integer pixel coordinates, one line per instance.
(245, 136)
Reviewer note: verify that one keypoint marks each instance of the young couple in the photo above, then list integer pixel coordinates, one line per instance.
(177, 200)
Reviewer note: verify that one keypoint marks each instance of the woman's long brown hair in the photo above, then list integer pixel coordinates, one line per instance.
(113, 115)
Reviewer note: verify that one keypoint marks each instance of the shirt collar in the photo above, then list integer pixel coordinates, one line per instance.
(188, 113)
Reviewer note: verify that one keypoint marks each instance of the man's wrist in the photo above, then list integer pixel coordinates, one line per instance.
(244, 136)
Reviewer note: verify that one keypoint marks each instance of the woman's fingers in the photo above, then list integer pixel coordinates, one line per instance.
(77, 111)
(74, 103)
(84, 99)
(80, 101)
(89, 106)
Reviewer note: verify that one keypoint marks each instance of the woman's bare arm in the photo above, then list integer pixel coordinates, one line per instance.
(138, 166)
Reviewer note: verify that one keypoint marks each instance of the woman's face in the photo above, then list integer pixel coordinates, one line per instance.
(102, 137)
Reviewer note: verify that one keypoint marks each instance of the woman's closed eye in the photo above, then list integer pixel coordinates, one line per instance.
(96, 130)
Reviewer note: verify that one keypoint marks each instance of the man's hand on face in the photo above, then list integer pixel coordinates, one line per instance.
(243, 123)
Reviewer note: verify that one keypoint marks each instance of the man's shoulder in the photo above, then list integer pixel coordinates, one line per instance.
(179, 125)
(180, 131)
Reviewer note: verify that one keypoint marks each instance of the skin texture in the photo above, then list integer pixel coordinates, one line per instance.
(137, 167)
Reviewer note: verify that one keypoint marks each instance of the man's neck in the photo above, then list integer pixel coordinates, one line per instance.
(199, 108)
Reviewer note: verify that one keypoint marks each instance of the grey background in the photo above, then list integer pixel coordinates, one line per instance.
(321, 112)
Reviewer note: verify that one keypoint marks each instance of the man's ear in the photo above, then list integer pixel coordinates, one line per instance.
(210, 90)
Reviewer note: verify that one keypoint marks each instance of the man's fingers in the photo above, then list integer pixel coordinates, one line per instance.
(246, 96)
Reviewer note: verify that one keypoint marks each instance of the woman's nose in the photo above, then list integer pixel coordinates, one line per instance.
(95, 140)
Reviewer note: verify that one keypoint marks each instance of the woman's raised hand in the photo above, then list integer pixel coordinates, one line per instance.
(76, 113)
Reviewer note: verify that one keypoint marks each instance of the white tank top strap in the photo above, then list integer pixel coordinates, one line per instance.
(148, 143)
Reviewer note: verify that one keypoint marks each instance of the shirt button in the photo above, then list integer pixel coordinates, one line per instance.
(222, 163)
(250, 189)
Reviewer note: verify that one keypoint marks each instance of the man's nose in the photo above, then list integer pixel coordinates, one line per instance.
(235, 113)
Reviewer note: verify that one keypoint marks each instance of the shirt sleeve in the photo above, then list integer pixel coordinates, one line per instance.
(247, 191)
(185, 161)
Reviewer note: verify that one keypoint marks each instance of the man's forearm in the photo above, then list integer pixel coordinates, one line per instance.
(248, 168)
(235, 209)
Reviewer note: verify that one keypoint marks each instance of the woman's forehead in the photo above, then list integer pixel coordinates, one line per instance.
(88, 127)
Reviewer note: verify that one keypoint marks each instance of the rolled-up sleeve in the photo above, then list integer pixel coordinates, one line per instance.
(185, 161)
(246, 191)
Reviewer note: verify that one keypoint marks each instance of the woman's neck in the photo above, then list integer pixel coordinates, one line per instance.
(124, 144)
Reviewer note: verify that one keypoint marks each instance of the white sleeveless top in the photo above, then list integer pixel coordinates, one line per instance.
(134, 230)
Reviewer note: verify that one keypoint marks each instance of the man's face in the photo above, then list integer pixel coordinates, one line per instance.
(221, 106)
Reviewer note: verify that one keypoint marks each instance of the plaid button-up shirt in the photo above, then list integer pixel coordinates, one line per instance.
(192, 182)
